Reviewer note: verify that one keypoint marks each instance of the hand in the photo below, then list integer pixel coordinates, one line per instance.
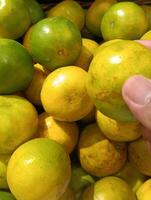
(137, 94)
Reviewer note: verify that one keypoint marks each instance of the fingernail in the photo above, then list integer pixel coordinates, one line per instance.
(138, 89)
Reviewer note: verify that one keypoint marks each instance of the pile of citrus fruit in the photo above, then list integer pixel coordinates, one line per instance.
(65, 131)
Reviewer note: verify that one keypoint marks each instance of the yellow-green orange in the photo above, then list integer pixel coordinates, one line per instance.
(95, 13)
(106, 77)
(146, 36)
(112, 188)
(104, 45)
(144, 192)
(92, 144)
(19, 121)
(71, 10)
(65, 133)
(33, 91)
(55, 42)
(13, 25)
(117, 130)
(140, 156)
(41, 164)
(67, 88)
(132, 176)
(86, 55)
(124, 20)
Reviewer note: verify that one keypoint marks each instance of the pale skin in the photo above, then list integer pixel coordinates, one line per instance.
(136, 92)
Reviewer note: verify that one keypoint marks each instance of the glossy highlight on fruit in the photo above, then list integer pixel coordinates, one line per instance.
(55, 42)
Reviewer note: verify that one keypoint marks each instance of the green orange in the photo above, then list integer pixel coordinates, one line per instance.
(35, 11)
(16, 67)
(124, 20)
(55, 42)
(95, 13)
(14, 18)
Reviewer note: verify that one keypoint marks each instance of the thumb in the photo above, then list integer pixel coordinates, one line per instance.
(137, 94)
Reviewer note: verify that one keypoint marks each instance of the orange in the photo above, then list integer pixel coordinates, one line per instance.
(106, 77)
(144, 192)
(87, 52)
(112, 188)
(33, 91)
(71, 10)
(66, 87)
(65, 133)
(19, 121)
(13, 25)
(147, 9)
(39, 169)
(16, 67)
(35, 10)
(139, 156)
(92, 144)
(117, 130)
(55, 42)
(95, 13)
(124, 20)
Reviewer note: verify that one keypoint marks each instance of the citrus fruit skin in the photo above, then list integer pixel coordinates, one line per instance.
(124, 20)
(16, 68)
(95, 13)
(147, 9)
(41, 164)
(146, 36)
(68, 195)
(19, 121)
(66, 87)
(65, 133)
(132, 176)
(13, 25)
(88, 193)
(35, 11)
(71, 10)
(86, 55)
(6, 196)
(117, 130)
(106, 77)
(55, 42)
(3, 169)
(144, 192)
(112, 188)
(33, 91)
(140, 156)
(92, 144)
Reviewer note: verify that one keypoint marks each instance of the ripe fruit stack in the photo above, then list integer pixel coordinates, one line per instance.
(65, 131)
